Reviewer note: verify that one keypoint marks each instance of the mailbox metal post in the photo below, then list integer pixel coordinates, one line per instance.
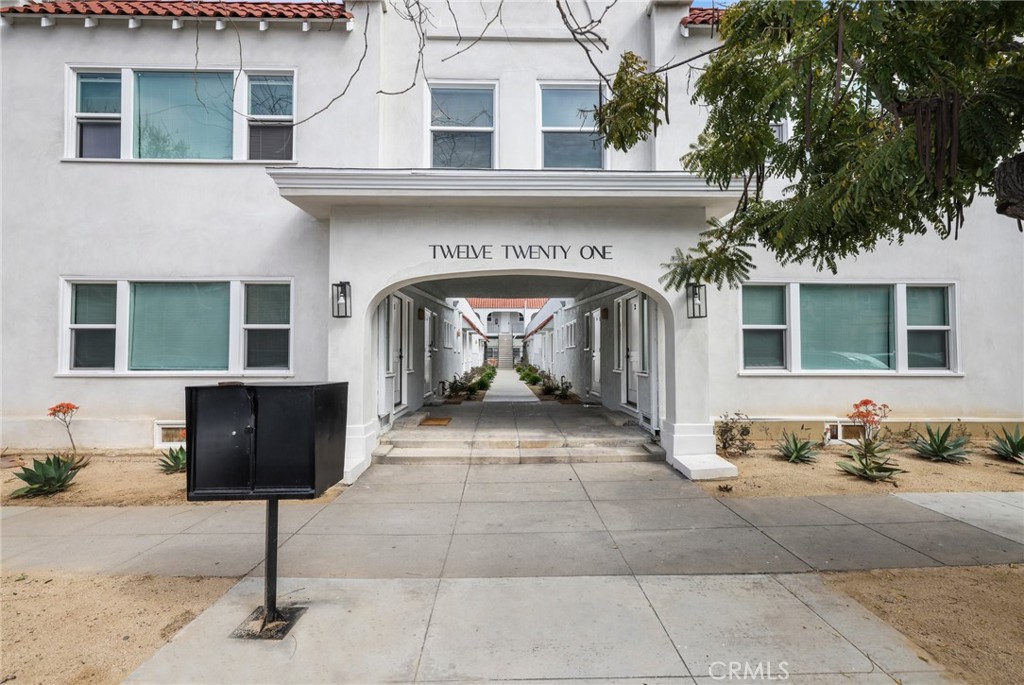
(270, 613)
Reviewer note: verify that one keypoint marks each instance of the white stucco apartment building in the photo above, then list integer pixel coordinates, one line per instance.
(185, 183)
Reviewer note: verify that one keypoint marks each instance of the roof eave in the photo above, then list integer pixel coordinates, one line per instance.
(317, 190)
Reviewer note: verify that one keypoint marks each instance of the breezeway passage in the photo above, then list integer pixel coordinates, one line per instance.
(516, 432)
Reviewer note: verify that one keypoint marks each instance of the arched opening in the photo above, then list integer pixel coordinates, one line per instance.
(612, 339)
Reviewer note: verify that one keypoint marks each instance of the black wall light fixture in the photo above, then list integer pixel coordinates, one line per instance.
(341, 296)
(696, 301)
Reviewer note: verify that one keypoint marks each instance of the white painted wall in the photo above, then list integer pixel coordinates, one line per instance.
(175, 220)
(122, 219)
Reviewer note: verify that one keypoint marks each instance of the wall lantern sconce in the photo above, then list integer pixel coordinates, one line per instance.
(341, 297)
(696, 301)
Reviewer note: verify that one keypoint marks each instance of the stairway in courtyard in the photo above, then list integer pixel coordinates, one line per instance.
(515, 433)
(505, 351)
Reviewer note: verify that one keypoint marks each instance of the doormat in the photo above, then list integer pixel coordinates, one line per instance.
(436, 421)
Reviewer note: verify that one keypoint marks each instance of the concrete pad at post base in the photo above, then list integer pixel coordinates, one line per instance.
(703, 466)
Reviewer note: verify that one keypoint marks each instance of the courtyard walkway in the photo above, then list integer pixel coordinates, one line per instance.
(507, 387)
(598, 572)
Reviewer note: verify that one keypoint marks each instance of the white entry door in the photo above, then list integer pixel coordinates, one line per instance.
(428, 352)
(396, 349)
(595, 352)
(634, 353)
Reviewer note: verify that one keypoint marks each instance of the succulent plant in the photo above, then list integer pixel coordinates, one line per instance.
(175, 460)
(46, 477)
(940, 447)
(795, 450)
(1009, 447)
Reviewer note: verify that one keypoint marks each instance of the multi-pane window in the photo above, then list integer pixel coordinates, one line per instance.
(267, 325)
(449, 334)
(216, 115)
(179, 326)
(764, 327)
(270, 117)
(98, 115)
(847, 327)
(570, 138)
(928, 327)
(93, 325)
(462, 127)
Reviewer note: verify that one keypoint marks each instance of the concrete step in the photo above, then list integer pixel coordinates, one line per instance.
(540, 455)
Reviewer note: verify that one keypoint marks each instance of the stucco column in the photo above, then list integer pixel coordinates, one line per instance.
(688, 432)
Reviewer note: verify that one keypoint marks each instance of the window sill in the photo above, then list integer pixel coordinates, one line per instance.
(852, 373)
(175, 374)
(202, 162)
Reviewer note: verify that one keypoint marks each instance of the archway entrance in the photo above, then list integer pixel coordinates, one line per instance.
(446, 226)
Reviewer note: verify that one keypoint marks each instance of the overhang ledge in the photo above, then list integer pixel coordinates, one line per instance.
(317, 190)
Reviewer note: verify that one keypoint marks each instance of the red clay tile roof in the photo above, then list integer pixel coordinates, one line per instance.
(539, 328)
(506, 302)
(702, 16)
(171, 9)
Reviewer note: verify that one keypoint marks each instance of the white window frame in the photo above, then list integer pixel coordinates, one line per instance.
(428, 153)
(240, 107)
(250, 118)
(570, 334)
(541, 129)
(449, 335)
(246, 327)
(900, 342)
(77, 117)
(787, 347)
(236, 330)
(71, 326)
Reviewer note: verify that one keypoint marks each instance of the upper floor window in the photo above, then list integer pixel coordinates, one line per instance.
(270, 117)
(98, 115)
(570, 138)
(183, 115)
(462, 127)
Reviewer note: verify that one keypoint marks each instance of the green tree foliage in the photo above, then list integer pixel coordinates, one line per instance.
(901, 112)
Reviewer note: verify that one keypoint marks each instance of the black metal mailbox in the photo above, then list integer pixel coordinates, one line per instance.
(264, 441)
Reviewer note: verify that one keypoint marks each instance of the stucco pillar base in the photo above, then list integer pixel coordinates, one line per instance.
(690, 449)
(360, 441)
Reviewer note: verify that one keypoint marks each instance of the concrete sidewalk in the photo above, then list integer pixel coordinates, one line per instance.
(624, 572)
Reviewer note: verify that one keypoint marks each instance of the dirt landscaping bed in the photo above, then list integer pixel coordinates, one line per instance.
(87, 629)
(762, 473)
(115, 481)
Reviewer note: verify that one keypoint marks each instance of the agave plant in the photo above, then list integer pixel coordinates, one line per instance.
(940, 447)
(175, 460)
(868, 462)
(1009, 447)
(794, 450)
(46, 477)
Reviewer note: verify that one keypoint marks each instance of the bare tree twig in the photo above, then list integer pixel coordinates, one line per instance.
(358, 68)
(480, 36)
